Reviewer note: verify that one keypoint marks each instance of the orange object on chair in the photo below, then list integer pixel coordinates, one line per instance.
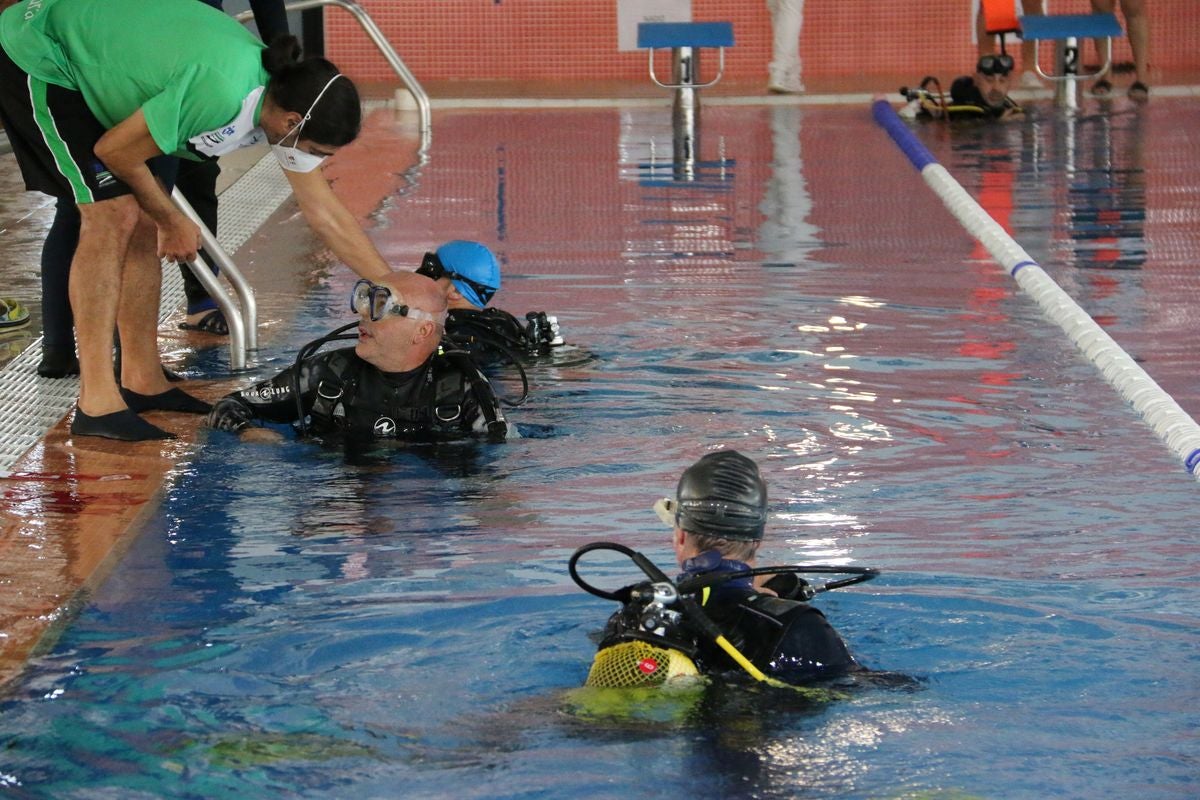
(1000, 16)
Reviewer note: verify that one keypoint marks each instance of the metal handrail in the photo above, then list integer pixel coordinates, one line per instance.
(385, 48)
(242, 317)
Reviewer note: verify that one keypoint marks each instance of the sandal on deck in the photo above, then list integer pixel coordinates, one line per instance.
(12, 313)
(1101, 88)
(213, 322)
(1139, 92)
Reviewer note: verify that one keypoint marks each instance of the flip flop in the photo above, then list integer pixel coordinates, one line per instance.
(1139, 92)
(1101, 88)
(12, 313)
(213, 322)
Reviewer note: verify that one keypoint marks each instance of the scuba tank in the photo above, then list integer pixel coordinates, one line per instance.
(655, 636)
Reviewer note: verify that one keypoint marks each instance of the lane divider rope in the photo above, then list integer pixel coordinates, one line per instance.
(1172, 424)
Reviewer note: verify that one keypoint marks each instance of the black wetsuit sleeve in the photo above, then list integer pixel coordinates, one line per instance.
(272, 400)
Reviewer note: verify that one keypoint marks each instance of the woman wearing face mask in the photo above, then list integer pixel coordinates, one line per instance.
(90, 90)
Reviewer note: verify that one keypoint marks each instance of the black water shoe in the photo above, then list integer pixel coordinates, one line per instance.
(123, 425)
(170, 400)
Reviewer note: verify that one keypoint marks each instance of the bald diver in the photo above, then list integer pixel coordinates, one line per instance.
(399, 381)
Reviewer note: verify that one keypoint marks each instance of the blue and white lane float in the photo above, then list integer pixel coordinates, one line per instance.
(1158, 409)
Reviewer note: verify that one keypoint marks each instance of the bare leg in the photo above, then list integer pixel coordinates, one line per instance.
(95, 290)
(1139, 37)
(145, 386)
(1103, 46)
(137, 315)
(96, 287)
(983, 40)
(1029, 48)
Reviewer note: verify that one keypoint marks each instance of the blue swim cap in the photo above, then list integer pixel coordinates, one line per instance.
(476, 270)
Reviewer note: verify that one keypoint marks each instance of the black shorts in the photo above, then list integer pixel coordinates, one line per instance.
(53, 135)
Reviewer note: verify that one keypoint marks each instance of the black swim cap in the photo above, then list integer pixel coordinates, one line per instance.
(722, 495)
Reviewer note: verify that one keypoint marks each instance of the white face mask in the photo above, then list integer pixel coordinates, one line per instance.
(292, 158)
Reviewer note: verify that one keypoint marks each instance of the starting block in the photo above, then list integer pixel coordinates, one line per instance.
(685, 40)
(1066, 31)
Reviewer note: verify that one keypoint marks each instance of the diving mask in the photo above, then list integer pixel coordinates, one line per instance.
(995, 64)
(377, 302)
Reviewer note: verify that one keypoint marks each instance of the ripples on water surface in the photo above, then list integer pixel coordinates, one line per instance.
(401, 624)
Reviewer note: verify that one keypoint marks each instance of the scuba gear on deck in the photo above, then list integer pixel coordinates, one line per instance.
(670, 616)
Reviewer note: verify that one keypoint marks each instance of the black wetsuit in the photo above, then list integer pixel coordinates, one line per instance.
(965, 102)
(787, 639)
(444, 398)
(492, 335)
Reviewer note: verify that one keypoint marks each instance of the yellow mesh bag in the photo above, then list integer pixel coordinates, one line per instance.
(638, 664)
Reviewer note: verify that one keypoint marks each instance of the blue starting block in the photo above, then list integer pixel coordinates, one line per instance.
(683, 38)
(1066, 31)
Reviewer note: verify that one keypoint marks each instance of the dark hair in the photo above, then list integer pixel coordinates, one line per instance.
(295, 84)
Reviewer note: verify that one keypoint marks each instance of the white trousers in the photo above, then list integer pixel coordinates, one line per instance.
(787, 16)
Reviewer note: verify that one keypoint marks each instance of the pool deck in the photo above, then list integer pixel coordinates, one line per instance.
(73, 506)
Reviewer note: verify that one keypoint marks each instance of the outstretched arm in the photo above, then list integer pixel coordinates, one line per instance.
(272, 400)
(336, 225)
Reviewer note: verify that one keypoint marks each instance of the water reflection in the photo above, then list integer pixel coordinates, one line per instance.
(1106, 193)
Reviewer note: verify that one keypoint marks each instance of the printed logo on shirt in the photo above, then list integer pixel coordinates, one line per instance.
(384, 426)
(32, 9)
(237, 133)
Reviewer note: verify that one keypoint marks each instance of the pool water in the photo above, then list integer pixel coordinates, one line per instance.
(298, 621)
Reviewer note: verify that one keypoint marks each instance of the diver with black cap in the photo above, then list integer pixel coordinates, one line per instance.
(721, 615)
(399, 381)
(983, 95)
(470, 275)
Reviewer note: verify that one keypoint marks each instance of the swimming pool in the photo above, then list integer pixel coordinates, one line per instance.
(299, 622)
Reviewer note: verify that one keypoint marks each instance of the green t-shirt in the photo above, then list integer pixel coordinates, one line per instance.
(193, 70)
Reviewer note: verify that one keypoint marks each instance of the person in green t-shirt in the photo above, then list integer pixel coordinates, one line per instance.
(90, 90)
